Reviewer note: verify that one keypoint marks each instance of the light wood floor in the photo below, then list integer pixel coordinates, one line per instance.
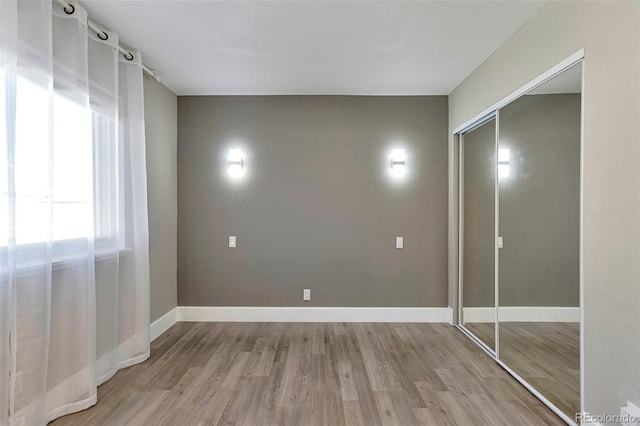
(313, 374)
(545, 354)
(484, 331)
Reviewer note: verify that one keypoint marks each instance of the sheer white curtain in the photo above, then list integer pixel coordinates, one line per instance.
(74, 274)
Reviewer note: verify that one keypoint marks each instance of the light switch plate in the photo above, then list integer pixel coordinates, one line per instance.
(399, 242)
(232, 241)
(306, 294)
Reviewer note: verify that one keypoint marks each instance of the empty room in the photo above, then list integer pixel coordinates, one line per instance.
(319, 212)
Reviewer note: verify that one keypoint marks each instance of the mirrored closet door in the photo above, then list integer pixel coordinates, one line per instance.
(478, 212)
(520, 213)
(539, 222)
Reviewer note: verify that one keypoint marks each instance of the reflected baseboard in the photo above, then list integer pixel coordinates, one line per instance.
(523, 314)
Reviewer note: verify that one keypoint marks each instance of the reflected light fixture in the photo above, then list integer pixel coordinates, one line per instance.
(235, 162)
(398, 166)
(503, 163)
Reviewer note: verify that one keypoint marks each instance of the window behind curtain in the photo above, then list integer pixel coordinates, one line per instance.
(55, 202)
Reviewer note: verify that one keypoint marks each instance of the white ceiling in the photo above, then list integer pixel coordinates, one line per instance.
(313, 47)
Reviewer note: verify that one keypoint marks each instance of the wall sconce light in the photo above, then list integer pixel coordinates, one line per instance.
(503, 162)
(398, 166)
(235, 162)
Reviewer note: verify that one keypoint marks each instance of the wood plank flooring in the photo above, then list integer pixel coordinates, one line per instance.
(313, 374)
(485, 331)
(545, 354)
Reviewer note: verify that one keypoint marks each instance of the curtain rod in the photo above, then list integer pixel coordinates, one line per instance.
(102, 35)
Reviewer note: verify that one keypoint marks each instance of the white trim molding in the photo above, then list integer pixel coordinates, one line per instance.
(312, 314)
(630, 415)
(547, 75)
(163, 323)
(523, 314)
(297, 314)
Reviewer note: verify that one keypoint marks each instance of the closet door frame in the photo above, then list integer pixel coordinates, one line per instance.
(493, 352)
(458, 140)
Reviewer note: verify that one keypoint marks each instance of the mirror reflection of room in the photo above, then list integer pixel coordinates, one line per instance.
(539, 223)
(478, 294)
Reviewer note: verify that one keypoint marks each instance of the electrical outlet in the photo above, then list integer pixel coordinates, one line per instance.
(232, 241)
(306, 294)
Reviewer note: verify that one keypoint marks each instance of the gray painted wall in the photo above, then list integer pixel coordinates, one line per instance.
(479, 284)
(540, 202)
(611, 169)
(539, 205)
(161, 113)
(316, 208)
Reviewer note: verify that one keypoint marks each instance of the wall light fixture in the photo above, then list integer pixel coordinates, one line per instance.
(503, 163)
(398, 163)
(235, 162)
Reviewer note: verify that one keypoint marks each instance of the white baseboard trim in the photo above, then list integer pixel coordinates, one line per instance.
(630, 415)
(163, 323)
(296, 314)
(523, 314)
(311, 314)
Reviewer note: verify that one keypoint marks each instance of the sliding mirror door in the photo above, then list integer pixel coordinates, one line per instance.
(539, 225)
(478, 177)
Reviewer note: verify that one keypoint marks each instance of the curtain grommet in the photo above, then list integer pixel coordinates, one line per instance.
(104, 36)
(128, 56)
(71, 12)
